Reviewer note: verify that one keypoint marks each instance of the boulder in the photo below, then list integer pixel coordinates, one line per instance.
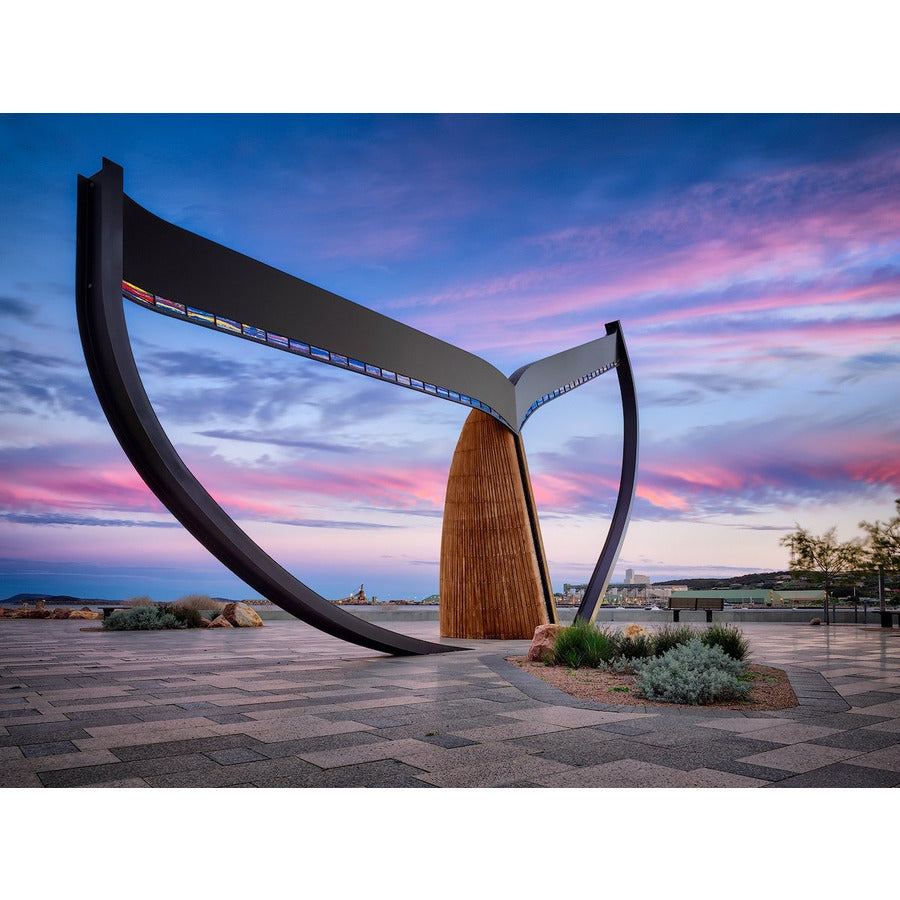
(220, 622)
(60, 613)
(543, 641)
(240, 615)
(84, 614)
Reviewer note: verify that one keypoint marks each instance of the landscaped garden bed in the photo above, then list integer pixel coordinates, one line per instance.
(669, 666)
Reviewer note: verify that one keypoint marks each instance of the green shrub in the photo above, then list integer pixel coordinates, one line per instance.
(581, 645)
(670, 636)
(692, 673)
(186, 617)
(634, 646)
(141, 618)
(729, 638)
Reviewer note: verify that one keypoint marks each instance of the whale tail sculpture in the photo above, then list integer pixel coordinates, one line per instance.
(494, 579)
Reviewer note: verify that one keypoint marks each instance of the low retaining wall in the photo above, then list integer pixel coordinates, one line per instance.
(387, 613)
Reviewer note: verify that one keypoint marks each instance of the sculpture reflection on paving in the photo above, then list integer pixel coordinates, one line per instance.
(125, 251)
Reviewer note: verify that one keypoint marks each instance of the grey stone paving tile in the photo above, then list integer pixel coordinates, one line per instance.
(9, 716)
(886, 758)
(437, 759)
(889, 725)
(169, 714)
(314, 744)
(52, 748)
(761, 773)
(386, 773)
(739, 724)
(887, 710)
(86, 775)
(122, 783)
(677, 735)
(40, 733)
(298, 701)
(19, 779)
(95, 717)
(841, 775)
(705, 754)
(364, 753)
(505, 731)
(235, 755)
(795, 733)
(380, 719)
(211, 775)
(227, 718)
(275, 730)
(570, 717)
(799, 757)
(847, 720)
(864, 740)
(150, 733)
(494, 773)
(182, 747)
(574, 747)
(872, 698)
(629, 728)
(621, 773)
(447, 741)
(438, 725)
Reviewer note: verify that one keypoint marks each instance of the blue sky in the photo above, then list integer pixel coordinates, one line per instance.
(753, 260)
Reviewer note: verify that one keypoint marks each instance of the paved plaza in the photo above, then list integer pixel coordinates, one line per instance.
(286, 706)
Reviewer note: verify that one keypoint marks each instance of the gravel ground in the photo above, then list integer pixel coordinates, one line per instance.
(771, 688)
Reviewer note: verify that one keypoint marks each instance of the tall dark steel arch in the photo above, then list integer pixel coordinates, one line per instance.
(123, 250)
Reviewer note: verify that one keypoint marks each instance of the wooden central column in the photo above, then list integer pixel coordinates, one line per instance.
(493, 575)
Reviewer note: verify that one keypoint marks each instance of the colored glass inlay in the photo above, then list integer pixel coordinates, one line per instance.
(281, 342)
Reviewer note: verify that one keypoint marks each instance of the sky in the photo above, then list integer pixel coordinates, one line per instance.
(752, 260)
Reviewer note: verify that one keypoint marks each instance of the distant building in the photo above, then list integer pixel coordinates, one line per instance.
(631, 578)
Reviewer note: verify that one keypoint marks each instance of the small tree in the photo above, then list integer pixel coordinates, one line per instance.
(883, 547)
(823, 557)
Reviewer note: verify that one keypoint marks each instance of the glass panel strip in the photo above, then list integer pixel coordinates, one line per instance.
(243, 329)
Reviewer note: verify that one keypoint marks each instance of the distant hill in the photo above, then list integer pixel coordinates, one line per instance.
(55, 600)
(763, 580)
(784, 581)
(66, 600)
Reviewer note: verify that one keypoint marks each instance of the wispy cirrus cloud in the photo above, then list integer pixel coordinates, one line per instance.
(805, 237)
(738, 469)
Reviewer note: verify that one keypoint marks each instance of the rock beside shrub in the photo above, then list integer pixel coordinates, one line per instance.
(240, 615)
(58, 613)
(543, 642)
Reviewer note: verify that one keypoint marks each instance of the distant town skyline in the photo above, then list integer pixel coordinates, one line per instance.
(753, 261)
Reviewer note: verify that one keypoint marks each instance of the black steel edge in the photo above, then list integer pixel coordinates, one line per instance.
(121, 393)
(602, 573)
